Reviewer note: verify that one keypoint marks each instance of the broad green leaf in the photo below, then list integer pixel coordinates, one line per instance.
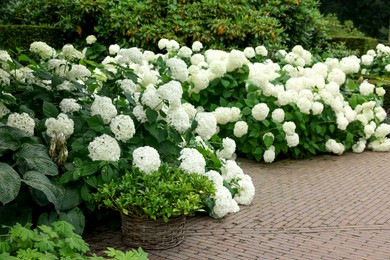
(47, 218)
(75, 217)
(54, 193)
(71, 199)
(151, 115)
(9, 183)
(36, 158)
(96, 123)
(49, 109)
(268, 141)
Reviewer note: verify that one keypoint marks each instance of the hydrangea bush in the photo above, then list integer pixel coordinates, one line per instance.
(98, 120)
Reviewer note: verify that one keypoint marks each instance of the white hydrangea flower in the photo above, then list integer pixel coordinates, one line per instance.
(240, 129)
(231, 170)
(61, 124)
(22, 121)
(42, 49)
(215, 177)
(304, 105)
(207, 125)
(200, 80)
(317, 108)
(342, 121)
(151, 98)
(269, 154)
(366, 88)
(3, 110)
(104, 148)
(122, 127)
(387, 67)
(77, 72)
(382, 131)
(184, 52)
(380, 113)
(179, 119)
(171, 91)
(367, 59)
(103, 106)
(4, 77)
(91, 39)
(178, 68)
(224, 203)
(261, 50)
(128, 86)
(69, 105)
(359, 146)
(172, 46)
(380, 91)
(350, 64)
(66, 86)
(260, 111)
(113, 49)
(289, 128)
(132, 55)
(292, 140)
(70, 53)
(369, 130)
(197, 46)
(336, 75)
(334, 147)
(197, 58)
(146, 159)
(149, 56)
(4, 58)
(229, 148)
(58, 66)
(189, 109)
(380, 145)
(163, 43)
(226, 115)
(192, 161)
(236, 60)
(217, 69)
(249, 52)
(246, 190)
(140, 113)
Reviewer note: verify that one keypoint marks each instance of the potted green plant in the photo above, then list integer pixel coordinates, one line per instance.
(154, 205)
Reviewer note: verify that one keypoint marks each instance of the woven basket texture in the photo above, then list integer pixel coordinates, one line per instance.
(153, 234)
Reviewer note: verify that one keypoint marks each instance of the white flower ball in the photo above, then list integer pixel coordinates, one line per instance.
(260, 111)
(359, 146)
(231, 170)
(289, 128)
(104, 148)
(367, 59)
(240, 129)
(123, 127)
(197, 46)
(278, 115)
(91, 39)
(207, 125)
(261, 50)
(215, 177)
(249, 52)
(292, 140)
(269, 155)
(246, 190)
(114, 49)
(61, 124)
(229, 148)
(334, 147)
(366, 88)
(146, 159)
(103, 106)
(192, 161)
(317, 108)
(22, 122)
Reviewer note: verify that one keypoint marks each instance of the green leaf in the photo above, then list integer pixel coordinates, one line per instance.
(268, 141)
(9, 183)
(36, 158)
(151, 115)
(49, 109)
(38, 181)
(246, 111)
(71, 199)
(225, 82)
(107, 173)
(332, 128)
(96, 123)
(75, 217)
(266, 122)
(351, 84)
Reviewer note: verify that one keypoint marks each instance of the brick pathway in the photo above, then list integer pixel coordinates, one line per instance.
(327, 207)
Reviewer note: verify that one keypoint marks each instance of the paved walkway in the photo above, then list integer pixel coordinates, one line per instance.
(327, 207)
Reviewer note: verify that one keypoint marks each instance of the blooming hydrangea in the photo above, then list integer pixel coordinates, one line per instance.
(289, 128)
(190, 110)
(278, 115)
(380, 113)
(62, 124)
(215, 177)
(382, 131)
(3, 110)
(380, 145)
(42, 49)
(200, 81)
(140, 113)
(171, 91)
(261, 50)
(104, 148)
(207, 125)
(4, 58)
(22, 121)
(146, 159)
(350, 64)
(359, 146)
(197, 46)
(240, 129)
(69, 105)
(178, 68)
(226, 115)
(114, 49)
(192, 161)
(179, 119)
(387, 67)
(128, 86)
(78, 72)
(246, 190)
(380, 91)
(249, 52)
(70, 53)
(4, 77)
(123, 127)
(184, 52)
(317, 108)
(229, 147)
(91, 39)
(292, 140)
(151, 98)
(336, 75)
(334, 147)
(231, 170)
(236, 60)
(224, 203)
(130, 56)
(260, 111)
(269, 154)
(367, 59)
(103, 106)
(366, 88)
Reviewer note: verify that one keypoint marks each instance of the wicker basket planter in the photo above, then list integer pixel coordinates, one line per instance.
(153, 234)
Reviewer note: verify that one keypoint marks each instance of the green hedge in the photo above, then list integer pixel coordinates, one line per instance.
(362, 44)
(21, 36)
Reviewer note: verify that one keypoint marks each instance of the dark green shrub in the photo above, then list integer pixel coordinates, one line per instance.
(361, 44)
(21, 36)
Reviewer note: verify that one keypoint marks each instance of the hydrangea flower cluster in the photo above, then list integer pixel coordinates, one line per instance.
(22, 121)
(147, 159)
(104, 148)
(62, 124)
